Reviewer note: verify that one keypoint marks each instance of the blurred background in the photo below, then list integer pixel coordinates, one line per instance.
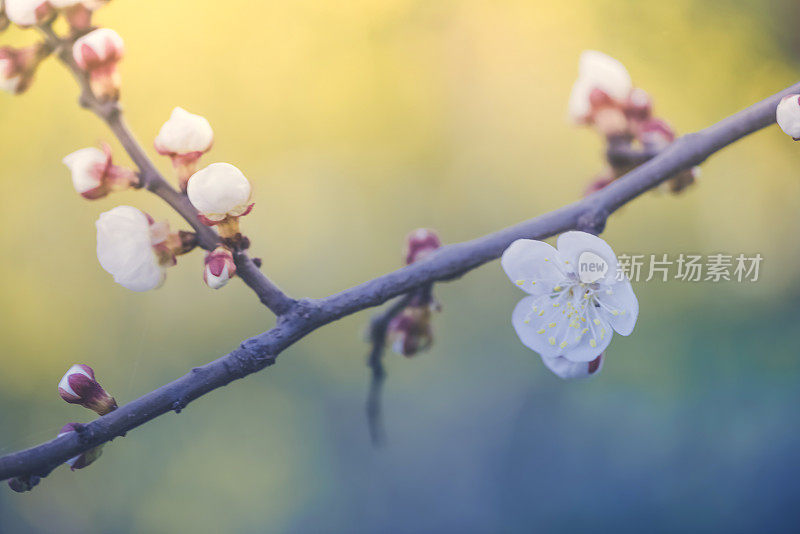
(357, 122)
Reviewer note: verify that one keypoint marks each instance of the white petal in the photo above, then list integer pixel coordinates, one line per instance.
(621, 299)
(579, 106)
(184, 133)
(23, 12)
(589, 339)
(218, 189)
(568, 370)
(788, 115)
(64, 383)
(606, 73)
(125, 251)
(571, 245)
(84, 165)
(532, 266)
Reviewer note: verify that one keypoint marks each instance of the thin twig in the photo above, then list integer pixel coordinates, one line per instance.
(378, 327)
(152, 180)
(447, 263)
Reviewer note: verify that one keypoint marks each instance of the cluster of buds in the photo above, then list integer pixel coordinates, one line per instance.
(788, 116)
(136, 250)
(18, 66)
(411, 332)
(604, 97)
(97, 54)
(94, 175)
(185, 137)
(221, 194)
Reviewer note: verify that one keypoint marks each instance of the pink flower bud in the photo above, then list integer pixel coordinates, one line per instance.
(410, 332)
(85, 458)
(17, 67)
(788, 116)
(219, 268)
(569, 370)
(98, 53)
(78, 386)
(184, 138)
(95, 176)
(28, 12)
(420, 243)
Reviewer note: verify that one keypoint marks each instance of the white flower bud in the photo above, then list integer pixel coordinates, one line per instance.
(219, 191)
(28, 12)
(98, 53)
(597, 71)
(126, 248)
(788, 115)
(94, 175)
(184, 133)
(219, 268)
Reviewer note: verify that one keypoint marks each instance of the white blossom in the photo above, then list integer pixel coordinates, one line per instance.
(87, 166)
(218, 191)
(27, 12)
(125, 242)
(184, 133)
(788, 115)
(576, 296)
(597, 70)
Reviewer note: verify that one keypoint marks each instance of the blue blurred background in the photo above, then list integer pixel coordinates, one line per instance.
(357, 122)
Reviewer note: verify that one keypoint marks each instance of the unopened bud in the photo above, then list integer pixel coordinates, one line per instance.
(219, 268)
(24, 483)
(788, 116)
(221, 193)
(97, 53)
(28, 12)
(184, 138)
(95, 176)
(420, 243)
(597, 72)
(78, 386)
(84, 459)
(18, 65)
(569, 370)
(78, 12)
(410, 332)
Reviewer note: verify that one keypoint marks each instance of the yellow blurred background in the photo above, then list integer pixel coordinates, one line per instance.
(357, 122)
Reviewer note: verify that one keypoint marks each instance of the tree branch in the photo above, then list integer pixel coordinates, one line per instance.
(152, 180)
(449, 262)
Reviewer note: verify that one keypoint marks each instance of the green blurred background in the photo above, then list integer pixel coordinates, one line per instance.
(357, 122)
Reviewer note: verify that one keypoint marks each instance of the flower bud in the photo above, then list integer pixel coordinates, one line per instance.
(410, 332)
(18, 65)
(98, 53)
(78, 386)
(84, 459)
(220, 192)
(95, 176)
(219, 268)
(597, 72)
(131, 247)
(420, 243)
(22, 484)
(78, 12)
(639, 105)
(569, 370)
(28, 12)
(788, 116)
(184, 138)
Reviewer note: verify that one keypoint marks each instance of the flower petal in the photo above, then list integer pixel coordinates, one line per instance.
(568, 370)
(532, 266)
(620, 298)
(572, 245)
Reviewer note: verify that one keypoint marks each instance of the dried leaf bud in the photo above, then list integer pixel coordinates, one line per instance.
(184, 138)
(569, 370)
(18, 65)
(78, 386)
(28, 12)
(95, 176)
(411, 332)
(420, 243)
(220, 192)
(24, 483)
(98, 53)
(84, 459)
(130, 246)
(788, 116)
(219, 268)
